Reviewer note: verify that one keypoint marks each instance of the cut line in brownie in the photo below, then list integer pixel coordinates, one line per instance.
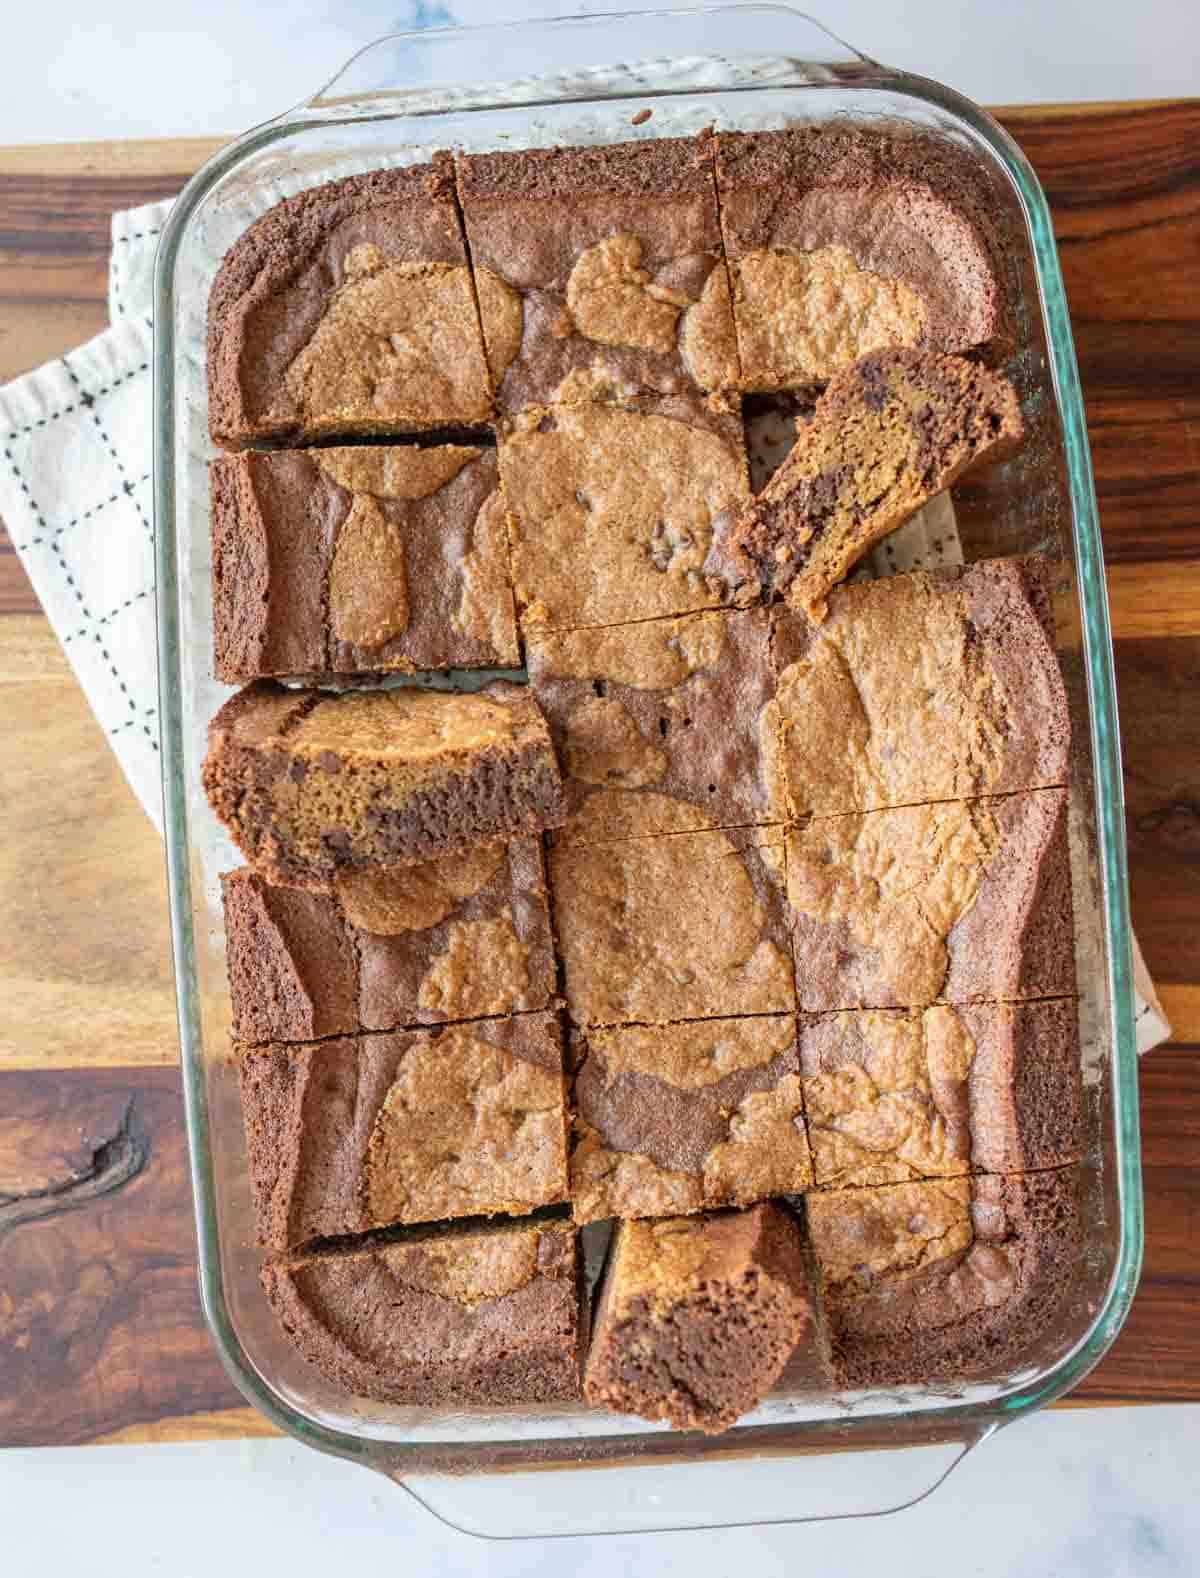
(681, 1118)
(963, 901)
(697, 1316)
(663, 726)
(599, 271)
(686, 926)
(356, 559)
(875, 244)
(351, 1134)
(948, 1280)
(613, 509)
(921, 687)
(888, 435)
(348, 309)
(312, 785)
(464, 937)
(486, 1316)
(897, 1095)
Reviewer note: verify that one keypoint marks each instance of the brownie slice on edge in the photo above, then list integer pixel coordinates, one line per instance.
(311, 785)
(348, 309)
(679, 1118)
(842, 242)
(462, 937)
(488, 1315)
(347, 1135)
(697, 1316)
(948, 1280)
(922, 687)
(888, 434)
(896, 1095)
(599, 271)
(965, 901)
(613, 509)
(360, 560)
(663, 726)
(687, 926)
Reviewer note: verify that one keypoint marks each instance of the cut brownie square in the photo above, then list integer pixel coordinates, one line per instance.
(613, 509)
(687, 1117)
(489, 1315)
(690, 926)
(463, 937)
(357, 560)
(311, 785)
(843, 242)
(347, 1135)
(697, 1316)
(964, 901)
(348, 309)
(896, 1095)
(947, 1280)
(663, 726)
(888, 434)
(922, 687)
(599, 271)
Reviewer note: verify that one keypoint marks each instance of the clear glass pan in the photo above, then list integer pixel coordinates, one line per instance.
(736, 67)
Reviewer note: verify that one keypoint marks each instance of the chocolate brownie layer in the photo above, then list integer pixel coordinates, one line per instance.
(949, 1280)
(697, 1316)
(613, 509)
(416, 1126)
(690, 926)
(599, 271)
(359, 560)
(348, 309)
(964, 901)
(888, 434)
(681, 1118)
(662, 726)
(894, 1095)
(871, 247)
(312, 785)
(457, 938)
(922, 687)
(490, 1316)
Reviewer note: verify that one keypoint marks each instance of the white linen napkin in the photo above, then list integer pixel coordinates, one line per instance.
(75, 496)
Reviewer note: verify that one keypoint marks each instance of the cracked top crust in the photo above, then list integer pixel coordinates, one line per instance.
(687, 1117)
(600, 271)
(348, 309)
(613, 509)
(415, 1126)
(922, 687)
(688, 926)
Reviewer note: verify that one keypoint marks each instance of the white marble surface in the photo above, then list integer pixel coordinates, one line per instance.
(1074, 1494)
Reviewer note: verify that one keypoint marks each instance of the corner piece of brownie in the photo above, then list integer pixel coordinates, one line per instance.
(888, 434)
(842, 241)
(348, 309)
(599, 271)
(347, 1135)
(359, 560)
(953, 1279)
(689, 1117)
(697, 1316)
(311, 785)
(922, 687)
(488, 1316)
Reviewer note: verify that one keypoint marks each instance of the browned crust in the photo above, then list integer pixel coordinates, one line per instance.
(655, 167)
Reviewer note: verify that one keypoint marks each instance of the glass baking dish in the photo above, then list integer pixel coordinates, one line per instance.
(735, 67)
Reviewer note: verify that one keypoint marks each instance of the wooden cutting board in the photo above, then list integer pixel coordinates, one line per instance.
(101, 1336)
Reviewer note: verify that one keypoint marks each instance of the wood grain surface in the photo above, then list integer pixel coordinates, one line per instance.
(101, 1336)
